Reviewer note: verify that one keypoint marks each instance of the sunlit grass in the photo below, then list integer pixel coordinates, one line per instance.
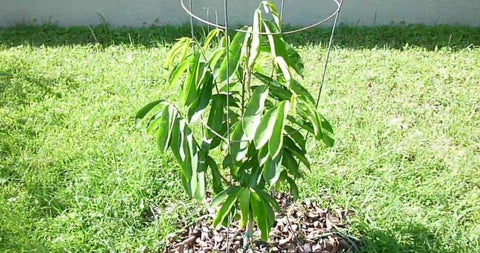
(76, 175)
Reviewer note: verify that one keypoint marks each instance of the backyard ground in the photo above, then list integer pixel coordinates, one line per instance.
(77, 176)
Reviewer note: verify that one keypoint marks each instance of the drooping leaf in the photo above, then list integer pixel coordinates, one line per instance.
(263, 155)
(297, 136)
(203, 99)
(226, 207)
(235, 51)
(260, 215)
(181, 47)
(327, 132)
(272, 169)
(216, 177)
(239, 143)
(276, 89)
(265, 128)
(222, 196)
(295, 60)
(301, 91)
(276, 141)
(271, 200)
(146, 109)
(308, 112)
(189, 91)
(216, 117)
(213, 33)
(177, 72)
(256, 38)
(164, 131)
(291, 165)
(290, 145)
(244, 203)
(293, 186)
(253, 111)
(270, 7)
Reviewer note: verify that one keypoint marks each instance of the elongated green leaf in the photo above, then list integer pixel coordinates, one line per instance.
(239, 145)
(276, 141)
(296, 136)
(216, 177)
(244, 203)
(282, 64)
(256, 38)
(177, 72)
(293, 186)
(235, 51)
(164, 131)
(189, 91)
(296, 151)
(327, 132)
(181, 47)
(265, 128)
(290, 164)
(263, 155)
(269, 7)
(213, 33)
(268, 198)
(226, 207)
(203, 99)
(216, 59)
(308, 112)
(295, 60)
(222, 196)
(146, 109)
(260, 215)
(276, 89)
(253, 111)
(272, 169)
(301, 91)
(216, 116)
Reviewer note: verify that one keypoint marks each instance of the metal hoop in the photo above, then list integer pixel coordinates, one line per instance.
(334, 14)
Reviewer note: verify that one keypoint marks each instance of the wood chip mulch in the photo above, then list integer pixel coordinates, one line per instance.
(303, 228)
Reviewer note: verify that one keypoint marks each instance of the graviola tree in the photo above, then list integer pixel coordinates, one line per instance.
(242, 121)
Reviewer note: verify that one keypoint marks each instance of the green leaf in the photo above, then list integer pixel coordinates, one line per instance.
(268, 198)
(265, 128)
(296, 136)
(177, 72)
(216, 177)
(213, 33)
(308, 112)
(203, 99)
(269, 7)
(226, 207)
(146, 109)
(253, 111)
(216, 116)
(293, 186)
(256, 38)
(235, 51)
(290, 164)
(275, 143)
(165, 126)
(295, 61)
(181, 47)
(189, 91)
(214, 60)
(272, 169)
(296, 151)
(301, 91)
(244, 202)
(263, 155)
(259, 213)
(239, 145)
(222, 196)
(276, 89)
(327, 132)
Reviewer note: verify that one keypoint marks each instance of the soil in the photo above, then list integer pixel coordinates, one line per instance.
(302, 227)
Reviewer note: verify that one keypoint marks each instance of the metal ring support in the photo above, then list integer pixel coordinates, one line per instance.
(334, 14)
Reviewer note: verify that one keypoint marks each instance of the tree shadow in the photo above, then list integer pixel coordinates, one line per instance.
(354, 37)
(406, 237)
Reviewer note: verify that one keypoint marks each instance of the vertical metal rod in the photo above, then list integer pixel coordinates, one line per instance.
(328, 53)
(227, 56)
(190, 4)
(282, 7)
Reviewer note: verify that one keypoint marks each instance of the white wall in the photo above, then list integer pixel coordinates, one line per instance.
(300, 12)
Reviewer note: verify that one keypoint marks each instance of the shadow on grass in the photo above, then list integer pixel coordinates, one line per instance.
(428, 37)
(406, 238)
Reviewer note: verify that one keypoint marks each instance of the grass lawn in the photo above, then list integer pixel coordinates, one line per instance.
(77, 176)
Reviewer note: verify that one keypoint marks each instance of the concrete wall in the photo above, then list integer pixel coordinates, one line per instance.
(300, 12)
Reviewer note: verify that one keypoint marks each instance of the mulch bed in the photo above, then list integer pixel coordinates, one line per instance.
(303, 228)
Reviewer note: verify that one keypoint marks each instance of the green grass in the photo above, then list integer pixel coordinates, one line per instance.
(76, 175)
